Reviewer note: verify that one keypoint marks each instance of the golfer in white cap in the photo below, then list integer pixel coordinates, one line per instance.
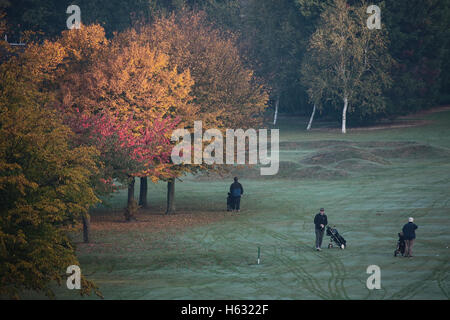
(409, 235)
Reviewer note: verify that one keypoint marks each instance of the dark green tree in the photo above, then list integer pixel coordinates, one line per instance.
(419, 34)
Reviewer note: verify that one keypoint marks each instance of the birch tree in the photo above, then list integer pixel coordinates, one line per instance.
(347, 63)
(316, 85)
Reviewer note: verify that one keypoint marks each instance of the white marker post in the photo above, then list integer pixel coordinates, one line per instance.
(259, 254)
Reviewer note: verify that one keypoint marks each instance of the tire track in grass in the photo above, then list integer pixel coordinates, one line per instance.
(330, 280)
(222, 262)
(335, 294)
(338, 273)
(309, 282)
(440, 278)
(302, 276)
(439, 275)
(342, 276)
(337, 265)
(336, 287)
(314, 284)
(410, 290)
(363, 284)
(336, 282)
(339, 291)
(217, 257)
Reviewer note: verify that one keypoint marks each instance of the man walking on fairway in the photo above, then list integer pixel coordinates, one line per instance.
(236, 191)
(320, 221)
(409, 233)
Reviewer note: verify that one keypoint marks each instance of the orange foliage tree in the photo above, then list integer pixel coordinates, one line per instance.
(124, 79)
(226, 92)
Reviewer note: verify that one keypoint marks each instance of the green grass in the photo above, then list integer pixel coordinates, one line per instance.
(383, 182)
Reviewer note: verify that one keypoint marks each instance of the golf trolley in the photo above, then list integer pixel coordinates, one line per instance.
(335, 238)
(400, 245)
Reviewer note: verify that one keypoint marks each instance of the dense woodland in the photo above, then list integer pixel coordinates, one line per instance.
(273, 39)
(86, 111)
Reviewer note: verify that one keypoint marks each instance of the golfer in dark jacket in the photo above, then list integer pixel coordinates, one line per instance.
(409, 233)
(320, 221)
(236, 191)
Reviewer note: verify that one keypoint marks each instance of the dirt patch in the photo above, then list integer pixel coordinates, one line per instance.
(155, 222)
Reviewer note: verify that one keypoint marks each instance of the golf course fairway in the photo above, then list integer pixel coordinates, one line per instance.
(369, 181)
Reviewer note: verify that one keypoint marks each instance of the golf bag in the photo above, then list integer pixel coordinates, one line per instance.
(400, 245)
(336, 238)
(229, 202)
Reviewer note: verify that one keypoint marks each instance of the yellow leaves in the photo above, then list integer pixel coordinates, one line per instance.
(44, 182)
(40, 61)
(129, 77)
(84, 42)
(224, 91)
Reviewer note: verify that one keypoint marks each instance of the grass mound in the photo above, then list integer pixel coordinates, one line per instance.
(354, 165)
(334, 159)
(289, 145)
(385, 144)
(287, 167)
(319, 173)
(412, 151)
(293, 170)
(247, 172)
(335, 155)
(287, 170)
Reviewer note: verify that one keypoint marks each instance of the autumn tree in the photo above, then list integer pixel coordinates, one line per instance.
(45, 182)
(347, 62)
(225, 91)
(130, 82)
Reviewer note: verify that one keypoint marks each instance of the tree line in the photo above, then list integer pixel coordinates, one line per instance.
(274, 36)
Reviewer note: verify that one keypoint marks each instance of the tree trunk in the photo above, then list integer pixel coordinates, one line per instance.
(276, 110)
(131, 191)
(170, 196)
(312, 118)
(86, 227)
(132, 207)
(344, 116)
(143, 193)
